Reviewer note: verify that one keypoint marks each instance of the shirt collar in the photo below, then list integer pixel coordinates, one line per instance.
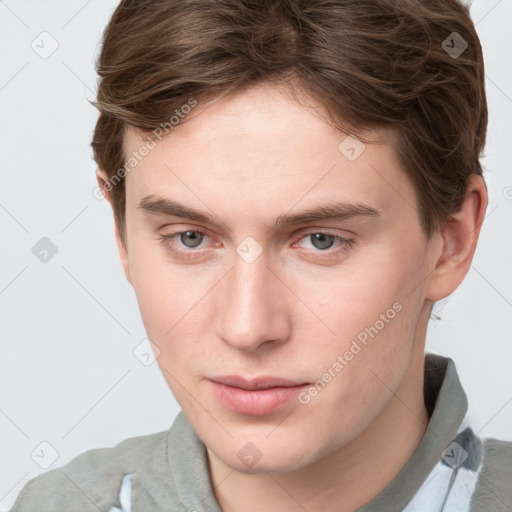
(449, 411)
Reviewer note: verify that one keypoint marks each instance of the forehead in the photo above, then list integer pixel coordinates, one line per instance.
(260, 147)
(264, 112)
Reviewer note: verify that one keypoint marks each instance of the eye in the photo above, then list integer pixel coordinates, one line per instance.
(190, 239)
(324, 241)
(321, 240)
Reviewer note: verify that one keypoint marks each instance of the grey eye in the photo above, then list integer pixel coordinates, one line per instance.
(194, 237)
(322, 240)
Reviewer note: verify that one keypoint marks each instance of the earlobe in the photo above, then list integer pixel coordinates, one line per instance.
(459, 240)
(103, 185)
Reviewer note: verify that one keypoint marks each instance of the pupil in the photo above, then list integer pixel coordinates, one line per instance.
(194, 235)
(321, 238)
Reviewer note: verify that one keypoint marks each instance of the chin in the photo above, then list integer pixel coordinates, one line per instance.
(259, 455)
(269, 464)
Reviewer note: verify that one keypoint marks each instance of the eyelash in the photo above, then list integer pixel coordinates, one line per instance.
(346, 243)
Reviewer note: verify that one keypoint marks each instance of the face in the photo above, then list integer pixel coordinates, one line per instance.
(272, 322)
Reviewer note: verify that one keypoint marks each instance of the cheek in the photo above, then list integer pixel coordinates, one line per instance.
(164, 291)
(174, 308)
(171, 310)
(347, 302)
(371, 317)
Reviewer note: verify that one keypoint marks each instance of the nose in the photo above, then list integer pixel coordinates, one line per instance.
(253, 308)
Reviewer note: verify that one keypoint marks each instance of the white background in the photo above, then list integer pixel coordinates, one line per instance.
(69, 326)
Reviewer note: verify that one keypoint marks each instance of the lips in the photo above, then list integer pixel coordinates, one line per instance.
(255, 397)
(256, 383)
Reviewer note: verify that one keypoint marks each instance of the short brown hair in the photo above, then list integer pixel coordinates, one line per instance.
(370, 63)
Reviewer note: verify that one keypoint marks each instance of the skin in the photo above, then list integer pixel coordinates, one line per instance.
(248, 158)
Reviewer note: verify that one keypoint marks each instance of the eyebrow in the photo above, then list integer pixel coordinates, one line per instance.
(337, 211)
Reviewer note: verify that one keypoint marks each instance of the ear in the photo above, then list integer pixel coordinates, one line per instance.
(106, 189)
(459, 239)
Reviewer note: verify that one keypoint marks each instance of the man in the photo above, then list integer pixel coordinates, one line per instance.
(323, 159)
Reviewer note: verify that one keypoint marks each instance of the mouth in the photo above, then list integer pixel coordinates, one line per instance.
(255, 397)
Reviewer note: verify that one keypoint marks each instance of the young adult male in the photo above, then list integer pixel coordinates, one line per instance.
(294, 185)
